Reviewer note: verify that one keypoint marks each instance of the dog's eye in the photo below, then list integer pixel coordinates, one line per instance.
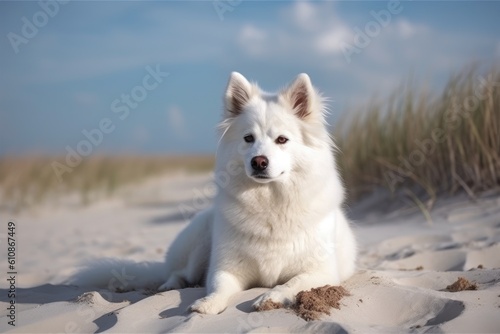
(281, 140)
(249, 138)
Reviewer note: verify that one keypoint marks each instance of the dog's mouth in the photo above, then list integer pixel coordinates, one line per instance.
(261, 177)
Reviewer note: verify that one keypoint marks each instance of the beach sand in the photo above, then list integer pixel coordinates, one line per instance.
(406, 267)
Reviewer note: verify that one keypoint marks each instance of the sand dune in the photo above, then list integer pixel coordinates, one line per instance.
(405, 266)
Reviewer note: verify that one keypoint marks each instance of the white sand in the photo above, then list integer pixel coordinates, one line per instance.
(388, 294)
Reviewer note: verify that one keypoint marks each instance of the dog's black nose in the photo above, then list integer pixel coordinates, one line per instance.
(260, 163)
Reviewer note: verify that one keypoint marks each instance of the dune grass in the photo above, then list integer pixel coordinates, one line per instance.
(423, 143)
(31, 180)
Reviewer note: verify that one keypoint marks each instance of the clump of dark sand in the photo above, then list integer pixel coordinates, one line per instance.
(461, 284)
(310, 305)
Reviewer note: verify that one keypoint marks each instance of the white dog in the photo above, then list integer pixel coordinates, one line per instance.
(277, 219)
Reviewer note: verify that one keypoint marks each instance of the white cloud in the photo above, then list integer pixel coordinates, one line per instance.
(331, 40)
(250, 33)
(406, 29)
(304, 14)
(253, 40)
(319, 23)
(308, 32)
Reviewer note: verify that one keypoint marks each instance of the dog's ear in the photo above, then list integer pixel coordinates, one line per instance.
(238, 93)
(300, 94)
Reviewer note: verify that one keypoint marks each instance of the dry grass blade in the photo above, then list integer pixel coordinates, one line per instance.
(425, 211)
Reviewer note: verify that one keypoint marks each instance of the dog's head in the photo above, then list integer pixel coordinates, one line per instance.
(272, 135)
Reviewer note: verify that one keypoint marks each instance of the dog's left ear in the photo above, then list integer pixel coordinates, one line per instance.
(238, 93)
(301, 95)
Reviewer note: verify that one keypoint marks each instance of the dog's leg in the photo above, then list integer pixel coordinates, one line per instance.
(220, 287)
(345, 245)
(187, 265)
(285, 293)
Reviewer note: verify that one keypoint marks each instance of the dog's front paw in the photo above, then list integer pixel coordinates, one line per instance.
(208, 305)
(271, 300)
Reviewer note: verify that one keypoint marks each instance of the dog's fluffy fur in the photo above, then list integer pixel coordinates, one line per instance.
(277, 219)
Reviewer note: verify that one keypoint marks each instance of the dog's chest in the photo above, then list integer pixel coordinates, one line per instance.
(274, 261)
(274, 222)
(274, 238)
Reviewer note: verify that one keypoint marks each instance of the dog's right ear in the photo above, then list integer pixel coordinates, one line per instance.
(238, 93)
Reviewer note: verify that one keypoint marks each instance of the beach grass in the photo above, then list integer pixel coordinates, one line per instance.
(426, 143)
(31, 180)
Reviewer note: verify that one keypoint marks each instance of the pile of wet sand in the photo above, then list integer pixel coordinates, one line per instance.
(312, 304)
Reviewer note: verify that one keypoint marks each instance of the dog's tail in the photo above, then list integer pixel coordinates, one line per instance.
(119, 275)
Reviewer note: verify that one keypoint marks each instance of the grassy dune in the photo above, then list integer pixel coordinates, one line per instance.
(25, 181)
(426, 143)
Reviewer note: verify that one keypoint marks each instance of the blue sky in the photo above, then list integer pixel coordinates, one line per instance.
(64, 77)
